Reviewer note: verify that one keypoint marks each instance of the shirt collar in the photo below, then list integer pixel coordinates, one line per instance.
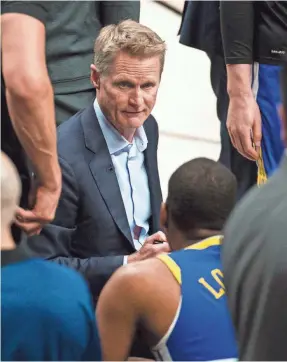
(115, 141)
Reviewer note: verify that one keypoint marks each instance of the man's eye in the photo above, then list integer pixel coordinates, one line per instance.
(124, 85)
(147, 85)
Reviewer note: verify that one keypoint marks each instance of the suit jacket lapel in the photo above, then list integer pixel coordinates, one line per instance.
(152, 174)
(102, 169)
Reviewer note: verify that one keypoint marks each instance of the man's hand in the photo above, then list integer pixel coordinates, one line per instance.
(244, 125)
(43, 212)
(149, 249)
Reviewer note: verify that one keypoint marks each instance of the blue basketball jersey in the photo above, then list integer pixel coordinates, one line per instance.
(202, 329)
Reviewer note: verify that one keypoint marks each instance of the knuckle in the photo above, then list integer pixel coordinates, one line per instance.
(148, 247)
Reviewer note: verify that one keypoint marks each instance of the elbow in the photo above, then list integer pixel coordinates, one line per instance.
(28, 86)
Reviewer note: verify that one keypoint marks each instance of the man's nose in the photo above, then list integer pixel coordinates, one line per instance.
(136, 98)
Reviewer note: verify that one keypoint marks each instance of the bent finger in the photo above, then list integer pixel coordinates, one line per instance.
(160, 236)
(30, 228)
(246, 143)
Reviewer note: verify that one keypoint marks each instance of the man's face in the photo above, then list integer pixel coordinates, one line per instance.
(127, 94)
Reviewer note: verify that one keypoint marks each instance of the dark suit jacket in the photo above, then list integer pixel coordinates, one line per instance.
(255, 270)
(90, 232)
(200, 26)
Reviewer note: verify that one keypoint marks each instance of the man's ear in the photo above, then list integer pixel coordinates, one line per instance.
(95, 76)
(163, 216)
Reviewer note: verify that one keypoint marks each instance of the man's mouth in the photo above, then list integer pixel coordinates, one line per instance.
(133, 112)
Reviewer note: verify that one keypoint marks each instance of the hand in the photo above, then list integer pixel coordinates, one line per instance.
(243, 124)
(43, 212)
(149, 249)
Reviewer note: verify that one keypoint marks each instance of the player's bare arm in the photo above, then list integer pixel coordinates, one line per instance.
(31, 106)
(141, 295)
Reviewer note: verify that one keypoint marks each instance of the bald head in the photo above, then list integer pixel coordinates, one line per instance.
(10, 191)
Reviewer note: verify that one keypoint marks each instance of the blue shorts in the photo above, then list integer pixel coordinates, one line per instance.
(266, 89)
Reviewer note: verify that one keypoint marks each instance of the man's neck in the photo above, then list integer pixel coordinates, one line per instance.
(181, 241)
(7, 242)
(128, 134)
(199, 235)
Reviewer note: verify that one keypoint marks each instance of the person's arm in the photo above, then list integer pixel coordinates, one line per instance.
(112, 12)
(118, 314)
(30, 103)
(96, 270)
(237, 30)
(54, 241)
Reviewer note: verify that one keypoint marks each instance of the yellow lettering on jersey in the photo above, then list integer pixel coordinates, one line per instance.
(215, 274)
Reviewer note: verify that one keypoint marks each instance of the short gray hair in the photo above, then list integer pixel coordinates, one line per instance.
(128, 36)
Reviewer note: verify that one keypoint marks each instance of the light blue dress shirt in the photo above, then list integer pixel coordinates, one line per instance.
(128, 161)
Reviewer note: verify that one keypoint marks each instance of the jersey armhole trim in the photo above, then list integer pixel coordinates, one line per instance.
(162, 343)
(172, 266)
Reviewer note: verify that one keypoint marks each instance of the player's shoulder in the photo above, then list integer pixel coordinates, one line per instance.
(137, 276)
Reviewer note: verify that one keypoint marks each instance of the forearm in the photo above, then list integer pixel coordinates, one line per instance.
(96, 270)
(31, 108)
(239, 80)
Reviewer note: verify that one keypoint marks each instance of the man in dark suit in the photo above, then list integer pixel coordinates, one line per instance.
(108, 213)
(255, 267)
(46, 50)
(200, 29)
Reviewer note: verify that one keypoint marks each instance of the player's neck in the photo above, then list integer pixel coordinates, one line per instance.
(200, 234)
(181, 241)
(7, 242)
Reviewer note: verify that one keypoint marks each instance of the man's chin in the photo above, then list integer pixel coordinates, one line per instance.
(134, 121)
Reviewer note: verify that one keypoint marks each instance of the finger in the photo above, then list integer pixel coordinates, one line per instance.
(239, 139)
(232, 140)
(160, 236)
(29, 228)
(30, 216)
(246, 144)
(236, 142)
(235, 139)
(161, 248)
(24, 215)
(241, 151)
(231, 135)
(257, 132)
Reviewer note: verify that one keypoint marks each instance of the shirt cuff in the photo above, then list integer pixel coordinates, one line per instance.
(125, 261)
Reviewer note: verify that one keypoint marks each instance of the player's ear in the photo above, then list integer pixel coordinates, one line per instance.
(163, 216)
